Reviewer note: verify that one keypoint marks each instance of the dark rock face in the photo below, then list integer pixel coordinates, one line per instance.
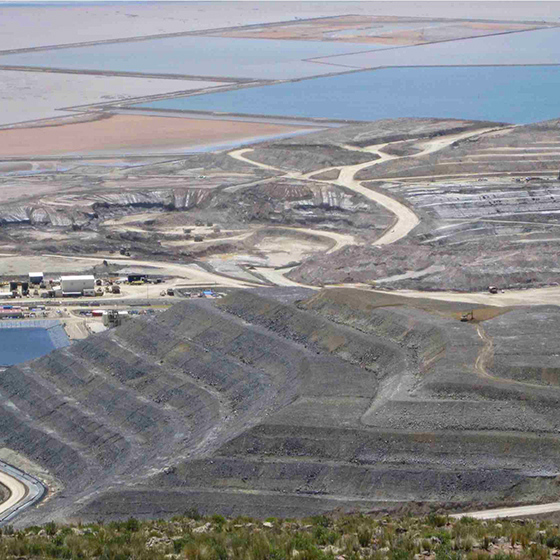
(268, 406)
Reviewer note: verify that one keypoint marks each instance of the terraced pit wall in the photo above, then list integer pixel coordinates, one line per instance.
(253, 405)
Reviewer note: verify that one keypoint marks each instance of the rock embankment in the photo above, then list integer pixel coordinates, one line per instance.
(263, 405)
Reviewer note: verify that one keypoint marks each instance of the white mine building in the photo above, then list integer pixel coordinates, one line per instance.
(76, 285)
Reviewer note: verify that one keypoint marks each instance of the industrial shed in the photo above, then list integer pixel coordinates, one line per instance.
(35, 277)
(77, 284)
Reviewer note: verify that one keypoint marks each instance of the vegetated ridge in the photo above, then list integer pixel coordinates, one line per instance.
(316, 538)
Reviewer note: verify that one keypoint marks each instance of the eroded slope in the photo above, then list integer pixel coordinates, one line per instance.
(265, 405)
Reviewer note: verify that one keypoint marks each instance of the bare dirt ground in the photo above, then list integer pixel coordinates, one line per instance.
(127, 134)
(472, 228)
(414, 246)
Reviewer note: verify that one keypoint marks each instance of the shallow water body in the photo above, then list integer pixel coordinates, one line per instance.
(540, 46)
(196, 56)
(514, 94)
(19, 343)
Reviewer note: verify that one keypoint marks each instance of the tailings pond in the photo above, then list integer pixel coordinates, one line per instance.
(26, 340)
(195, 56)
(513, 94)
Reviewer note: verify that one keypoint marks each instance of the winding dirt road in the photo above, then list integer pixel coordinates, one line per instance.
(25, 491)
(18, 491)
(405, 219)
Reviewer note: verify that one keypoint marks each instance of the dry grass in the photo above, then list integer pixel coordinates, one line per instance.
(346, 537)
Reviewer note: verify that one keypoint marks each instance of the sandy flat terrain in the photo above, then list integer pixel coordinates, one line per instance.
(27, 96)
(522, 48)
(280, 251)
(51, 25)
(375, 30)
(131, 133)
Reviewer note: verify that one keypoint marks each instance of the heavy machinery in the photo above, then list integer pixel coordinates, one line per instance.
(465, 317)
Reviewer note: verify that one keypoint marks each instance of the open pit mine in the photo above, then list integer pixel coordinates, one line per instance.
(288, 403)
(304, 381)
(243, 274)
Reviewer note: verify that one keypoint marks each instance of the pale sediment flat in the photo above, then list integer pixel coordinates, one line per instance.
(527, 47)
(374, 30)
(111, 21)
(28, 96)
(132, 134)
(52, 25)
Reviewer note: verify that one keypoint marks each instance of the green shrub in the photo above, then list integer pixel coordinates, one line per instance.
(444, 552)
(553, 542)
(364, 536)
(132, 524)
(58, 540)
(301, 541)
(179, 544)
(324, 536)
(277, 554)
(400, 554)
(259, 547)
(437, 520)
(321, 521)
(537, 552)
(193, 513)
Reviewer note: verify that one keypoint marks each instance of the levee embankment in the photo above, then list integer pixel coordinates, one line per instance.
(268, 406)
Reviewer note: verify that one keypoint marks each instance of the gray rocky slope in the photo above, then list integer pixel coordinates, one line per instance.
(262, 406)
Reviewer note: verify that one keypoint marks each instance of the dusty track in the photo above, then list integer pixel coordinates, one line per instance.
(520, 511)
(193, 274)
(405, 219)
(537, 296)
(25, 490)
(18, 491)
(485, 353)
